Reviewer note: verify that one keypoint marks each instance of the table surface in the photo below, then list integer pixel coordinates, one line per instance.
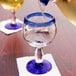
(63, 48)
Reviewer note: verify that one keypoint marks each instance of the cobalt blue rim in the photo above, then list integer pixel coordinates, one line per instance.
(43, 24)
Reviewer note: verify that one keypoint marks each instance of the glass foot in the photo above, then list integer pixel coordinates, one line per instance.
(10, 26)
(39, 68)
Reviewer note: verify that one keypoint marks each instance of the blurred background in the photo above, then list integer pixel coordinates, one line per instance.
(68, 8)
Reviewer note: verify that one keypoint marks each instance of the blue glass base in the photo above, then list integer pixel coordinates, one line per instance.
(10, 26)
(39, 68)
(45, 2)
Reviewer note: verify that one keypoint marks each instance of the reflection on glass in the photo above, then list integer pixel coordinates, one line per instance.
(39, 34)
(12, 5)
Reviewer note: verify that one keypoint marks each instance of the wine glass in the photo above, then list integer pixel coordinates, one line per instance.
(12, 5)
(39, 34)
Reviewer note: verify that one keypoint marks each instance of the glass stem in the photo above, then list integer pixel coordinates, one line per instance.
(38, 55)
(42, 7)
(13, 21)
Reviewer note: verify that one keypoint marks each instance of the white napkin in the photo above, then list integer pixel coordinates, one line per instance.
(22, 61)
(6, 31)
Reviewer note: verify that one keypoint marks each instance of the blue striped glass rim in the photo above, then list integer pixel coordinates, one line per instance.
(43, 24)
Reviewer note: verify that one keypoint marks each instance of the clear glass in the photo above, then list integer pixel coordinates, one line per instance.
(39, 33)
(42, 5)
(12, 5)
